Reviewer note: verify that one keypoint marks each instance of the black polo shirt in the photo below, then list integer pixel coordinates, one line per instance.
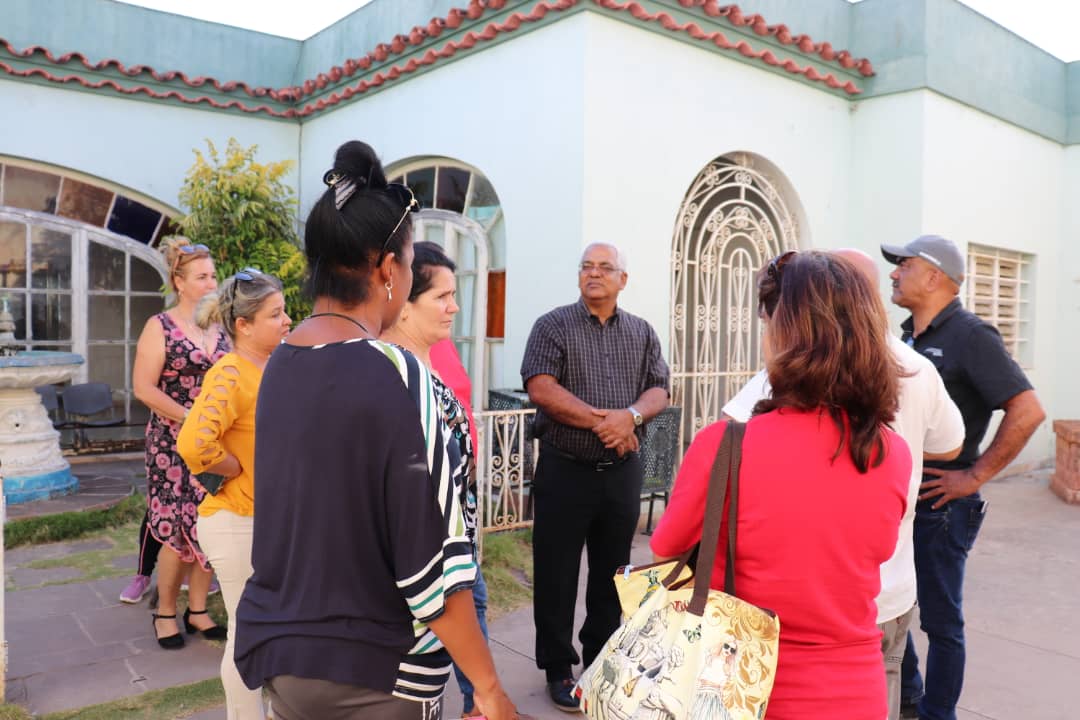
(977, 370)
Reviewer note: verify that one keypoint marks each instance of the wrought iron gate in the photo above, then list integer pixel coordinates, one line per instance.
(733, 220)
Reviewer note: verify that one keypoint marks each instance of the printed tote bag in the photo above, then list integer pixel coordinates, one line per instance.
(688, 652)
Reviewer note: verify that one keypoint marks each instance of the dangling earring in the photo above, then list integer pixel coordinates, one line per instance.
(389, 295)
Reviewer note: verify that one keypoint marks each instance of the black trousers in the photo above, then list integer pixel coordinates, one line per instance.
(577, 506)
(149, 547)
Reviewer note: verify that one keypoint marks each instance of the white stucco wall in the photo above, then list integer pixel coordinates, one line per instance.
(1063, 323)
(658, 110)
(885, 181)
(989, 182)
(514, 112)
(140, 145)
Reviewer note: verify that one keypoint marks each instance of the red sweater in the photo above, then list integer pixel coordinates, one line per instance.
(812, 535)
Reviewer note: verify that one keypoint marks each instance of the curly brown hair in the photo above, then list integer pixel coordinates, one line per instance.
(829, 334)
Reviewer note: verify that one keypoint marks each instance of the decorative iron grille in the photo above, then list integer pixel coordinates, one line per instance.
(733, 220)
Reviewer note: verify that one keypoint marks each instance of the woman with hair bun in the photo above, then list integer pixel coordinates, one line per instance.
(171, 358)
(822, 489)
(218, 438)
(363, 570)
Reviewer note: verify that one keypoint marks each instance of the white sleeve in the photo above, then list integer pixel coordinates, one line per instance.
(742, 405)
(944, 424)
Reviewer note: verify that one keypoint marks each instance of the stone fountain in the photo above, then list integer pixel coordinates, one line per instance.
(30, 459)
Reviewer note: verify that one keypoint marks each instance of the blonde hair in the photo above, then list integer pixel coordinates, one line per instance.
(235, 298)
(178, 259)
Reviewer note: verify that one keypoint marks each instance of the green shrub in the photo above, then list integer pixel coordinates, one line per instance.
(246, 214)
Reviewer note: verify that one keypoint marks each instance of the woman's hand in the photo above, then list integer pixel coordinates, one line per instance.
(495, 704)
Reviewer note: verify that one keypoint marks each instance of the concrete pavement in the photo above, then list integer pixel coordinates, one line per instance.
(74, 645)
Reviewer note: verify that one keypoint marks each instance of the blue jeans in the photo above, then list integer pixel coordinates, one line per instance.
(479, 593)
(943, 538)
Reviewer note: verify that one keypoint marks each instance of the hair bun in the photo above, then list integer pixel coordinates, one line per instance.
(357, 160)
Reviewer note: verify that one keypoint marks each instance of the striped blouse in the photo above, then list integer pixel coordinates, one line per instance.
(359, 531)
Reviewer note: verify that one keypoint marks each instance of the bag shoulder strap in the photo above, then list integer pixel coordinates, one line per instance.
(723, 482)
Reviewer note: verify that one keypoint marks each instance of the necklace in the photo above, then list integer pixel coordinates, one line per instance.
(354, 321)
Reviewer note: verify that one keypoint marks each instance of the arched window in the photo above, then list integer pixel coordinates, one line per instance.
(739, 213)
(461, 212)
(78, 273)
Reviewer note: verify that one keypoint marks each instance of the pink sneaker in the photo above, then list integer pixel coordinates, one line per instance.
(136, 590)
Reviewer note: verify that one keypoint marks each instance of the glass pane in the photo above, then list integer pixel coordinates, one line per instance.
(463, 321)
(483, 202)
(54, 347)
(464, 348)
(50, 316)
(465, 257)
(433, 232)
(106, 268)
(133, 219)
(422, 183)
(50, 255)
(105, 363)
(106, 317)
(86, 203)
(16, 304)
(12, 255)
(168, 228)
(142, 309)
(453, 184)
(145, 277)
(30, 189)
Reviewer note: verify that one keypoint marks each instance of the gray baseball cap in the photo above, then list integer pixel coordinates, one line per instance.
(934, 249)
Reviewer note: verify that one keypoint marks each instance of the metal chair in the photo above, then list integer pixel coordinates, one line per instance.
(658, 454)
(85, 401)
(51, 400)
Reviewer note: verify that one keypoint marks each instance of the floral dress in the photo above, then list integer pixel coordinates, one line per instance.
(458, 421)
(173, 501)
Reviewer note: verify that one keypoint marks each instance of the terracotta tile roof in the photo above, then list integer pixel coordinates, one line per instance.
(288, 99)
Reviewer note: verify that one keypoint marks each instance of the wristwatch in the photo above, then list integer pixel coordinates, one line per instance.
(638, 417)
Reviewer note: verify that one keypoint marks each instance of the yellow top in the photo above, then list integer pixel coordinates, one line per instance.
(222, 422)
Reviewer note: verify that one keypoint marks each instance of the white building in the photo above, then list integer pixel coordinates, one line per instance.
(702, 139)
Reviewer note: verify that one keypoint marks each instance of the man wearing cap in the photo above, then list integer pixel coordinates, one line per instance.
(981, 377)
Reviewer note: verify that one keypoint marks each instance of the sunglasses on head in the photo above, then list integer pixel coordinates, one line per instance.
(776, 265)
(404, 195)
(189, 249)
(769, 286)
(248, 274)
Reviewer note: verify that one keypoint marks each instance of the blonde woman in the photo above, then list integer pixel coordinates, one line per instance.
(219, 438)
(171, 358)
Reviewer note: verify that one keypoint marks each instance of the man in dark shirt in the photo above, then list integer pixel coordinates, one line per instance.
(980, 377)
(596, 375)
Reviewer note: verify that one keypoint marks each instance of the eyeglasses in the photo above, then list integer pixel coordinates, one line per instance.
(776, 265)
(769, 285)
(588, 268)
(247, 275)
(189, 250)
(404, 195)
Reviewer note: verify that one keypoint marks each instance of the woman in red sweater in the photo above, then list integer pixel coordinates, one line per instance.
(823, 486)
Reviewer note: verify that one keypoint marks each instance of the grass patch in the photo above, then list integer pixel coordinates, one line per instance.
(94, 564)
(72, 525)
(508, 571)
(169, 704)
(13, 712)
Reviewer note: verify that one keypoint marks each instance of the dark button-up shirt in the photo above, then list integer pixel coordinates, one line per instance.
(607, 365)
(977, 370)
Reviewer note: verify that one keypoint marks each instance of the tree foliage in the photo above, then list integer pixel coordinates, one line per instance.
(246, 214)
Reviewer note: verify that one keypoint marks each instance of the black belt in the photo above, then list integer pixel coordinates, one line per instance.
(595, 465)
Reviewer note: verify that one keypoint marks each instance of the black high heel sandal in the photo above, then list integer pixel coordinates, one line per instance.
(169, 642)
(215, 633)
